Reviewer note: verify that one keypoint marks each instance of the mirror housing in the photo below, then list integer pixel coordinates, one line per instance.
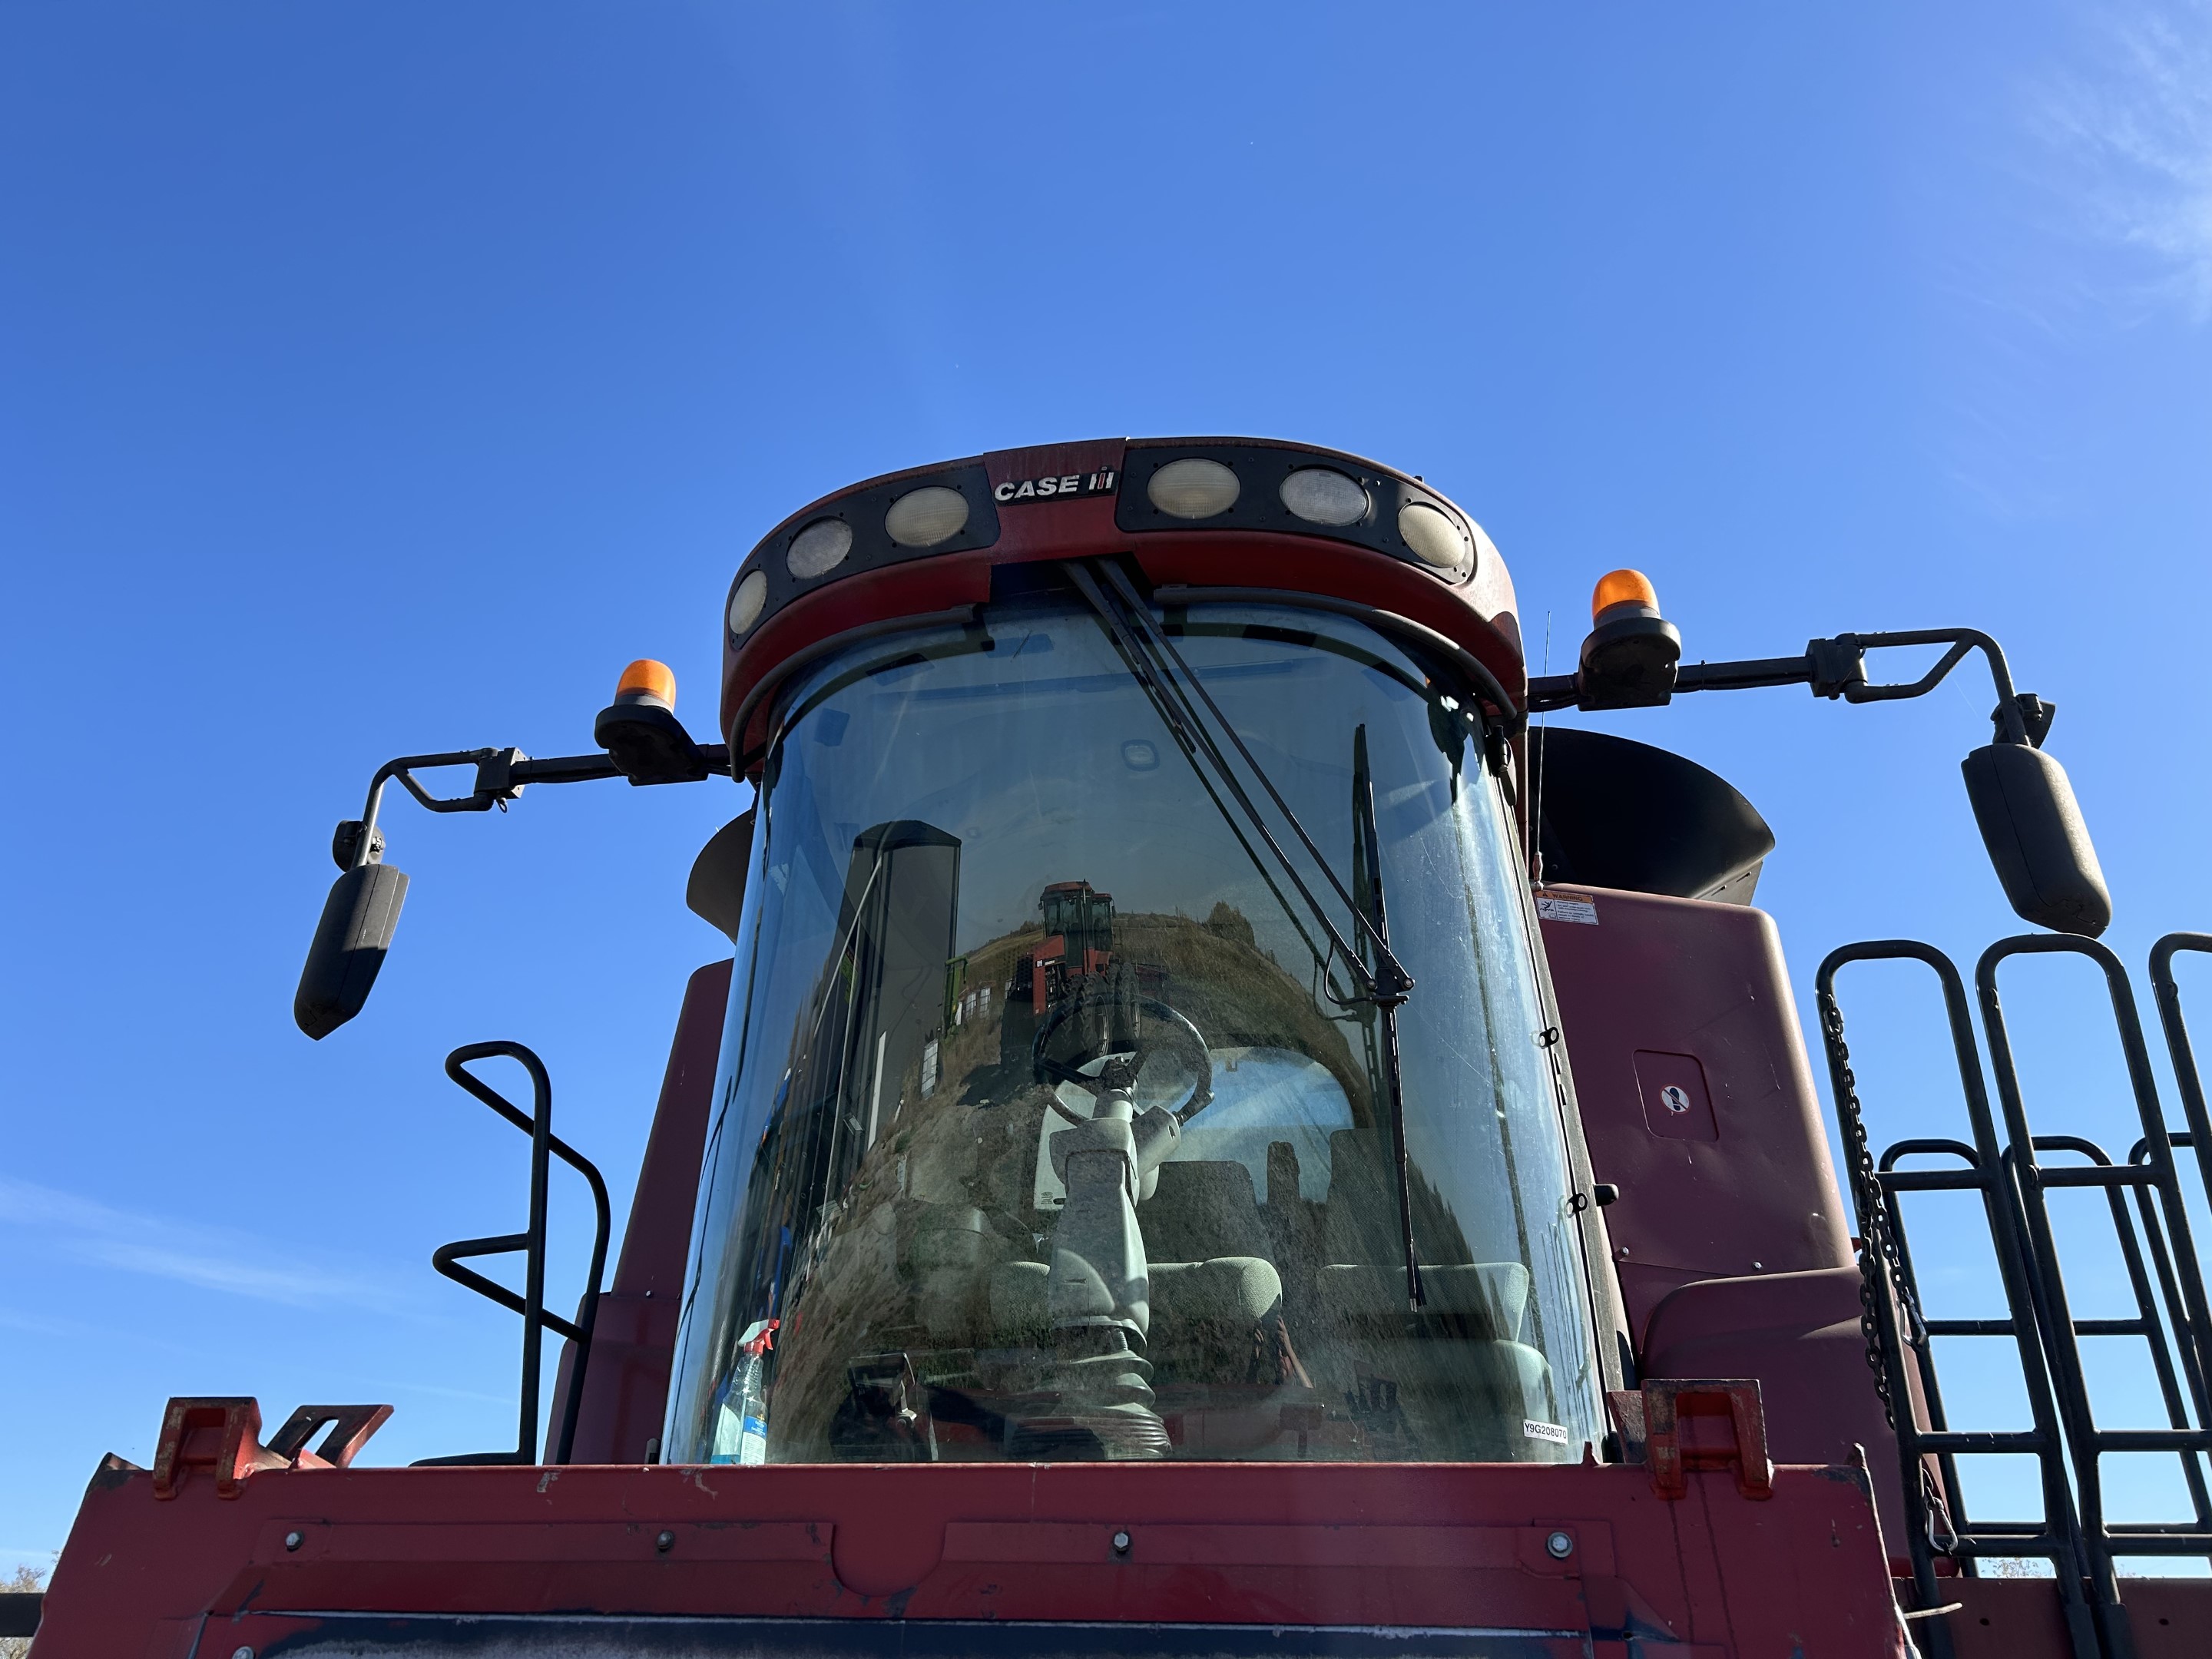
(2036, 838)
(350, 942)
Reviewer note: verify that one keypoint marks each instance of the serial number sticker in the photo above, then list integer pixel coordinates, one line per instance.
(1533, 1429)
(1056, 488)
(1566, 907)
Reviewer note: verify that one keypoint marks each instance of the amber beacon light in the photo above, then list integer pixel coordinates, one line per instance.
(645, 680)
(639, 731)
(1628, 659)
(1614, 587)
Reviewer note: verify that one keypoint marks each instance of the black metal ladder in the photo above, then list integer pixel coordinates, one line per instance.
(2156, 1247)
(2152, 1175)
(1901, 1340)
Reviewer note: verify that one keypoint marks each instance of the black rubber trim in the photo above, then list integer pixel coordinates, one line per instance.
(1486, 682)
(960, 617)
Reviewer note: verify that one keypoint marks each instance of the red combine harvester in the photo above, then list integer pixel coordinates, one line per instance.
(1218, 1140)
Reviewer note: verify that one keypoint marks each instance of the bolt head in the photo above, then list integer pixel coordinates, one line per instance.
(1121, 1543)
(293, 1539)
(1559, 1545)
(665, 1542)
(242, 1653)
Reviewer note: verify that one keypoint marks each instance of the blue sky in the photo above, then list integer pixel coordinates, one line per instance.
(378, 379)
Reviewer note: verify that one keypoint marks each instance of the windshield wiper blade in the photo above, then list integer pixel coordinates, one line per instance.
(1367, 882)
(1159, 668)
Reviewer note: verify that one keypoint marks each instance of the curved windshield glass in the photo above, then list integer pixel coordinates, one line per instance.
(1053, 1121)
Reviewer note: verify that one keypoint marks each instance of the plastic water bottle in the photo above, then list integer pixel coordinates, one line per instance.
(741, 1435)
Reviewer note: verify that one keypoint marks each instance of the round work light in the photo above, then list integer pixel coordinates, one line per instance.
(1193, 489)
(749, 601)
(820, 548)
(1435, 538)
(925, 517)
(1321, 494)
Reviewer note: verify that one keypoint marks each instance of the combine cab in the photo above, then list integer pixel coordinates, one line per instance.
(1217, 1139)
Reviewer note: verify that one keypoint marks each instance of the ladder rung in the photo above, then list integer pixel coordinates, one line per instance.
(1932, 1180)
(1981, 1440)
(2154, 1440)
(2133, 1541)
(2096, 1175)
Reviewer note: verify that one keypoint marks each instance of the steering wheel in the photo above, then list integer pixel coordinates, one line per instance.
(1175, 1033)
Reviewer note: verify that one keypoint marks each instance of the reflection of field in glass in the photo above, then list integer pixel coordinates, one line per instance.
(935, 1255)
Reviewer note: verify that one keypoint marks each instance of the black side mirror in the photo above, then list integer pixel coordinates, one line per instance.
(2033, 829)
(350, 941)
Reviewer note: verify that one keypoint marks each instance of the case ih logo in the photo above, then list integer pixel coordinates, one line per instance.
(1053, 490)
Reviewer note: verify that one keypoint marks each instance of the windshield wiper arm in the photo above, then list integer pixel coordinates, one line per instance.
(1159, 668)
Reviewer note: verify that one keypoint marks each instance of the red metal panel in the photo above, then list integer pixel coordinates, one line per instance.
(1799, 1334)
(2020, 1618)
(626, 1384)
(1696, 995)
(1421, 1545)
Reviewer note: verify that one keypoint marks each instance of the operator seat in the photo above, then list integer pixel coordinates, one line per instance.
(1216, 1341)
(1202, 1209)
(1454, 1380)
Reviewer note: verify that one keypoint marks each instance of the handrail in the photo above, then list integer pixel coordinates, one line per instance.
(1889, 1293)
(544, 1144)
(2086, 1442)
(2168, 995)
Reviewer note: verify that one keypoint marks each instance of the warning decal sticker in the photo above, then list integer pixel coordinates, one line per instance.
(1567, 907)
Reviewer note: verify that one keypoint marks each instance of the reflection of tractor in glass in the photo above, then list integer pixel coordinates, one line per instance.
(1072, 972)
(1076, 949)
(1434, 1250)
(1079, 940)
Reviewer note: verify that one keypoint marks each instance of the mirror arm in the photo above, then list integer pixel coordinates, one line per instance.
(1837, 668)
(1749, 674)
(2011, 718)
(501, 776)
(355, 932)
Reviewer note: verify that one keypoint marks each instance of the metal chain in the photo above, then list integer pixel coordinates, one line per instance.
(1878, 1249)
